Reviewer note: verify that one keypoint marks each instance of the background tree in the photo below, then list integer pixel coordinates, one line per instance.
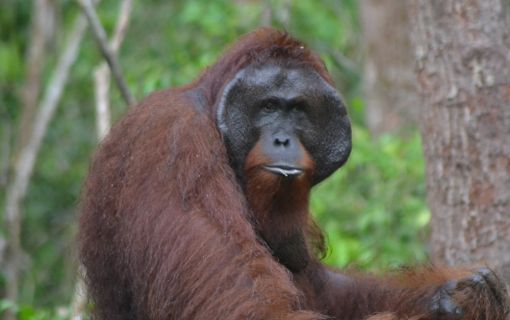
(463, 55)
(391, 98)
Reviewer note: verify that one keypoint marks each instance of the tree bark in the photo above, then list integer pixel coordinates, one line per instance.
(463, 69)
(391, 96)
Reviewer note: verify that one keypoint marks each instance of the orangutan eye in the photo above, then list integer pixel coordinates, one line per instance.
(269, 105)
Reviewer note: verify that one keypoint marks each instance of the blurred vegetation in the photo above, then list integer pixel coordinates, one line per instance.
(373, 210)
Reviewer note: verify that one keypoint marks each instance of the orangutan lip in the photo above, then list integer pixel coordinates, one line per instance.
(283, 170)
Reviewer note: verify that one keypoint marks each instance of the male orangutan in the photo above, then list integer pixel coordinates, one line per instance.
(196, 205)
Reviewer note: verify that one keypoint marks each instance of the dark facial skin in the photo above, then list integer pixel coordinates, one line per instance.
(287, 123)
(289, 111)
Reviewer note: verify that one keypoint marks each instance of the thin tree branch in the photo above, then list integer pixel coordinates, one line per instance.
(102, 41)
(102, 73)
(343, 61)
(267, 13)
(41, 31)
(285, 13)
(122, 24)
(102, 85)
(16, 191)
(79, 304)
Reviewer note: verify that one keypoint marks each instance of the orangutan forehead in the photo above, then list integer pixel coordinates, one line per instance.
(277, 75)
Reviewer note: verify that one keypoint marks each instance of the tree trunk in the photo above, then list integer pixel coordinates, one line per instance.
(392, 101)
(463, 69)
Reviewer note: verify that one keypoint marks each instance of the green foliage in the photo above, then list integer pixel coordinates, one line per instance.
(373, 209)
(13, 35)
(28, 312)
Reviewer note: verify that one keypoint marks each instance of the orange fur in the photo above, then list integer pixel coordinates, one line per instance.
(168, 232)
